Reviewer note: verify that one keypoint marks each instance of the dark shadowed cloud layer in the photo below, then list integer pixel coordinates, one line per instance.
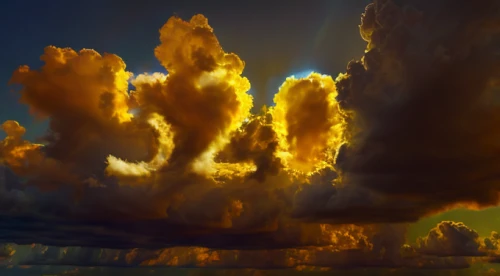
(449, 245)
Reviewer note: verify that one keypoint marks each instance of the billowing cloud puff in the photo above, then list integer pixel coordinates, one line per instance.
(308, 122)
(203, 97)
(451, 239)
(85, 97)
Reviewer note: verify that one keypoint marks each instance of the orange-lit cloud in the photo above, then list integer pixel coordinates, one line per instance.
(308, 122)
(85, 97)
(181, 161)
(204, 97)
(16, 152)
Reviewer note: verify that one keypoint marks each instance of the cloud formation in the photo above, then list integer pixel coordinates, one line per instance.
(422, 109)
(372, 247)
(308, 122)
(322, 178)
(451, 239)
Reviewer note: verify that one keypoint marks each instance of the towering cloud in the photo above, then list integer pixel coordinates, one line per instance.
(203, 96)
(408, 130)
(308, 122)
(84, 95)
(423, 107)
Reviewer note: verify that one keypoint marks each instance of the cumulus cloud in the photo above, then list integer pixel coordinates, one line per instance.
(309, 182)
(450, 238)
(421, 110)
(182, 149)
(257, 143)
(308, 122)
(204, 97)
(84, 95)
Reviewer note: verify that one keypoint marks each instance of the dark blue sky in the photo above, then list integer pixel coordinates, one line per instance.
(274, 38)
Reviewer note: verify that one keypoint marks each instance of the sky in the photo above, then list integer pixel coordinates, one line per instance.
(130, 30)
(196, 138)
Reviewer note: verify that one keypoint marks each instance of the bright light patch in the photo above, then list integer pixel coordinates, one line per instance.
(133, 111)
(303, 74)
(158, 73)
